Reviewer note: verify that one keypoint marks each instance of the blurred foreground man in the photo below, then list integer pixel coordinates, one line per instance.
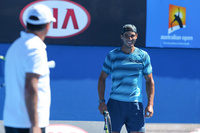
(27, 83)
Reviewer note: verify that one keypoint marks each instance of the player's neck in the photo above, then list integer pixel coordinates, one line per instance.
(128, 50)
(41, 35)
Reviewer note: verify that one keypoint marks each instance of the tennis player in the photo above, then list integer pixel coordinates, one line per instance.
(27, 101)
(127, 66)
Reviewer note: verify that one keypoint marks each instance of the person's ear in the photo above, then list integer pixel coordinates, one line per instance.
(121, 36)
(136, 35)
(48, 26)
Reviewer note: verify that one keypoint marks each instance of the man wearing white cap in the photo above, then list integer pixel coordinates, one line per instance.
(27, 100)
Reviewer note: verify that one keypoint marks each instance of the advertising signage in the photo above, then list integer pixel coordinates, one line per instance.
(161, 23)
(173, 24)
(95, 22)
(72, 18)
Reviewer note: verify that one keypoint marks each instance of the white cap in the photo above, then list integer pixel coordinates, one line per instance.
(42, 12)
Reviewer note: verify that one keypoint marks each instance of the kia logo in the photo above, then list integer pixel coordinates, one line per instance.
(71, 18)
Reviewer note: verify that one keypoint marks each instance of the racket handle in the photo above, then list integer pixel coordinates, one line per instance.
(105, 112)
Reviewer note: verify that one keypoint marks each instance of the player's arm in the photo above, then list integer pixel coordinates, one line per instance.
(101, 90)
(150, 89)
(31, 100)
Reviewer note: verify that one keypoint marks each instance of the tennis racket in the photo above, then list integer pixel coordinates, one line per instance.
(2, 58)
(107, 126)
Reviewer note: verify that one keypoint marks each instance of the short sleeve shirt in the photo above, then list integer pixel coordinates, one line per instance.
(26, 55)
(127, 71)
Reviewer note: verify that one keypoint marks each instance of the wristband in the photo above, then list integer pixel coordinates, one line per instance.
(101, 100)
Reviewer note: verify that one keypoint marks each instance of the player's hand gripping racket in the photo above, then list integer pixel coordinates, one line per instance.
(107, 126)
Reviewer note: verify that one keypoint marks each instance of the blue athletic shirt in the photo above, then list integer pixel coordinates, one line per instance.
(127, 72)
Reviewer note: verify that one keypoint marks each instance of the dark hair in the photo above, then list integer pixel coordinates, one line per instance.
(32, 27)
(128, 27)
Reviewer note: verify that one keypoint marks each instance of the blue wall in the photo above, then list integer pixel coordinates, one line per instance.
(74, 83)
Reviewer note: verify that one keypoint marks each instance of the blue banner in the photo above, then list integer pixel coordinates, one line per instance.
(173, 23)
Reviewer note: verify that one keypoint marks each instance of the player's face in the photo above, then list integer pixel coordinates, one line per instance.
(129, 38)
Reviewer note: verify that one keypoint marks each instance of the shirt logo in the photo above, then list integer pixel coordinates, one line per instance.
(71, 18)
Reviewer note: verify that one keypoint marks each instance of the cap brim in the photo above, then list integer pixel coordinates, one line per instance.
(53, 19)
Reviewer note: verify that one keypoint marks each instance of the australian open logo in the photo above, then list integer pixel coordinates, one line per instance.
(177, 18)
(177, 21)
